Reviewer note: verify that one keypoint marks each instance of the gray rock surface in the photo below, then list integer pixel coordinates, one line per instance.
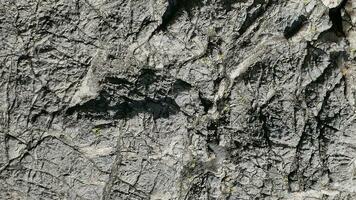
(177, 99)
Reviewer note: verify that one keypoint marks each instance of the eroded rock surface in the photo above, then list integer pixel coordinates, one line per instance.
(177, 99)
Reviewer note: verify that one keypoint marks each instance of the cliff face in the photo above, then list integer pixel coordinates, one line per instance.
(177, 99)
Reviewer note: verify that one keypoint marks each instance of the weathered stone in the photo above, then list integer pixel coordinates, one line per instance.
(332, 3)
(177, 99)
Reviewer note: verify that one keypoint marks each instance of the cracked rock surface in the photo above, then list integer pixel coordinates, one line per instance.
(177, 99)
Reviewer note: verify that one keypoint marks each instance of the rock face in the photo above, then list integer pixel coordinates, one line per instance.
(332, 3)
(177, 99)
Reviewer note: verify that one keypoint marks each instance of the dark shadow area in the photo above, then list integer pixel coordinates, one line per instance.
(174, 8)
(180, 86)
(119, 98)
(294, 27)
(207, 104)
(336, 19)
(254, 12)
(105, 107)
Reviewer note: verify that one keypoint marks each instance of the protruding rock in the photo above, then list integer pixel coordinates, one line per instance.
(331, 3)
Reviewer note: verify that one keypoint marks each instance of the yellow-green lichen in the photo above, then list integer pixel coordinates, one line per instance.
(353, 52)
(96, 131)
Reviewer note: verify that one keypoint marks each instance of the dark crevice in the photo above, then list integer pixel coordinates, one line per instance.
(294, 28)
(146, 21)
(265, 129)
(213, 126)
(169, 14)
(99, 108)
(121, 99)
(217, 82)
(213, 137)
(35, 116)
(172, 11)
(116, 81)
(207, 104)
(180, 86)
(336, 19)
(259, 132)
(253, 14)
(189, 5)
(227, 5)
(146, 77)
(161, 108)
(103, 107)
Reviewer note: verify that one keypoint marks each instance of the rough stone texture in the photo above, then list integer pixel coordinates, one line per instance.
(177, 99)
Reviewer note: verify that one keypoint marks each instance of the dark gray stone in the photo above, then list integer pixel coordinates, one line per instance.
(177, 99)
